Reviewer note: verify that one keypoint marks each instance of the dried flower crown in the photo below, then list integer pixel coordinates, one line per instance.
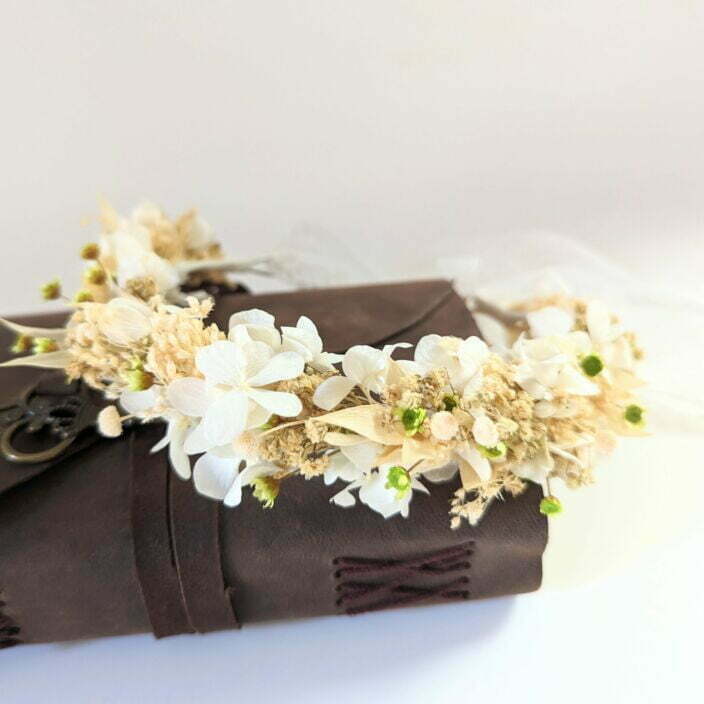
(259, 404)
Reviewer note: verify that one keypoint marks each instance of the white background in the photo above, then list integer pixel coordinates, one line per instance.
(396, 126)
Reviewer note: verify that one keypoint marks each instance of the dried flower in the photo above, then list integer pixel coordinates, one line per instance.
(51, 290)
(90, 251)
(43, 345)
(22, 344)
(266, 490)
(95, 275)
(109, 422)
(83, 296)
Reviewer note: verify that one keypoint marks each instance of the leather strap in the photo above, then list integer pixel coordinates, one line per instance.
(195, 524)
(154, 559)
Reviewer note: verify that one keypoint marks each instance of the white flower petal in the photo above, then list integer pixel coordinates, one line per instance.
(426, 350)
(258, 355)
(278, 402)
(344, 499)
(254, 316)
(598, 321)
(140, 401)
(189, 396)
(444, 426)
(289, 344)
(332, 391)
(441, 474)
(364, 455)
(550, 320)
(177, 454)
(226, 418)
(234, 495)
(479, 463)
(362, 362)
(221, 363)
(485, 432)
(214, 476)
(197, 441)
(286, 365)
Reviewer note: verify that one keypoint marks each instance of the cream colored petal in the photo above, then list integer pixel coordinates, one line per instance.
(331, 392)
(363, 420)
(51, 333)
(51, 360)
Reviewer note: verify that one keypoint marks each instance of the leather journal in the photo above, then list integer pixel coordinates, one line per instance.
(104, 539)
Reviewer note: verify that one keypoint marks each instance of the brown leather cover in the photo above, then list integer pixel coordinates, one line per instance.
(107, 540)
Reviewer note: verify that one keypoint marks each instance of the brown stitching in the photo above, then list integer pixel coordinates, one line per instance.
(394, 586)
(9, 630)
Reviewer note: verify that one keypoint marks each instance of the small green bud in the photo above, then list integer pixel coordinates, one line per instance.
(94, 275)
(266, 490)
(139, 380)
(43, 345)
(398, 478)
(411, 418)
(51, 290)
(450, 402)
(23, 344)
(90, 251)
(550, 506)
(635, 415)
(493, 453)
(83, 297)
(592, 365)
(271, 423)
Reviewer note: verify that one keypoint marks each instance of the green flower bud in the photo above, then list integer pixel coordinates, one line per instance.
(592, 365)
(266, 490)
(94, 275)
(139, 380)
(635, 415)
(23, 344)
(83, 297)
(51, 290)
(411, 418)
(450, 402)
(550, 506)
(43, 345)
(90, 251)
(493, 453)
(398, 478)
(271, 423)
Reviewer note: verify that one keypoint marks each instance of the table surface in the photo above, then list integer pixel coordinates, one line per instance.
(399, 131)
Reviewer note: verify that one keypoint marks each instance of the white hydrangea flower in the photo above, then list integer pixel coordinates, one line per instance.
(547, 367)
(232, 397)
(123, 320)
(550, 320)
(376, 491)
(218, 476)
(258, 324)
(363, 366)
(305, 340)
(608, 338)
(130, 249)
(463, 359)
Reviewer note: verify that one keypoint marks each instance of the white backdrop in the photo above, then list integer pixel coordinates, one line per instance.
(400, 128)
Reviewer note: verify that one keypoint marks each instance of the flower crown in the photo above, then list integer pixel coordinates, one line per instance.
(259, 404)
